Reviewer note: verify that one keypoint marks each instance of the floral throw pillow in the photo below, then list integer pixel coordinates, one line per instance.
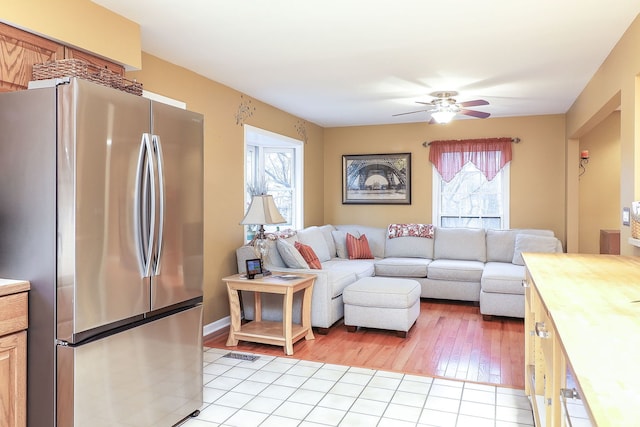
(358, 247)
(309, 255)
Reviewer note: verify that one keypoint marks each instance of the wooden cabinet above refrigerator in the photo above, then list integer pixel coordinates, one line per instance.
(19, 50)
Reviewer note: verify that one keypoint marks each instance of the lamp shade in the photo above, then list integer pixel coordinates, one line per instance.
(262, 210)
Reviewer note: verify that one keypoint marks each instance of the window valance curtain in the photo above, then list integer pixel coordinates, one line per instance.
(488, 154)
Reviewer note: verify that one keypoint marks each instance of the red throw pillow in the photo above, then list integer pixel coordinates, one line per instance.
(309, 255)
(358, 247)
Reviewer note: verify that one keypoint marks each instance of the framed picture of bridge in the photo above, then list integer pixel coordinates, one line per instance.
(376, 179)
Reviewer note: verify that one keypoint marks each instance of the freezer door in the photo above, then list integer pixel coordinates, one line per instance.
(99, 138)
(178, 141)
(150, 375)
(28, 231)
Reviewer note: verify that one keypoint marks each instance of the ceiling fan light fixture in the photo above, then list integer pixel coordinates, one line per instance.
(444, 108)
(443, 116)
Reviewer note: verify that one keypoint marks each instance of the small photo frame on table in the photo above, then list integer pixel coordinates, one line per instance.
(254, 267)
(376, 179)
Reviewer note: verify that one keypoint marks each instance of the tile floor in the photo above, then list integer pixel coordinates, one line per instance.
(282, 392)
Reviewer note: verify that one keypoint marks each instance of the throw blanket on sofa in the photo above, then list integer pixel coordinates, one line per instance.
(413, 230)
(282, 234)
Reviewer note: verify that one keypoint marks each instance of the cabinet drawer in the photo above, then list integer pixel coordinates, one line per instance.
(13, 313)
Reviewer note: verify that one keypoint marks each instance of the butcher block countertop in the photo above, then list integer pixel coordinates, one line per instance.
(594, 304)
(9, 286)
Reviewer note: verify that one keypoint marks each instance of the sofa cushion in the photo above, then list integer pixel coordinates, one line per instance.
(360, 267)
(409, 247)
(502, 278)
(340, 240)
(376, 236)
(457, 270)
(501, 243)
(328, 238)
(467, 244)
(290, 255)
(532, 243)
(338, 280)
(309, 255)
(358, 247)
(402, 267)
(314, 237)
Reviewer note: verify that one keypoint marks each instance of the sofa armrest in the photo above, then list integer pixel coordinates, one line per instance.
(328, 285)
(559, 248)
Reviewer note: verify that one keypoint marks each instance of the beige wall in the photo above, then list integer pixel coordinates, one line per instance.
(78, 23)
(537, 169)
(614, 85)
(223, 159)
(599, 194)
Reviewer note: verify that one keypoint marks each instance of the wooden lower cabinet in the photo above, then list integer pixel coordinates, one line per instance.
(14, 319)
(544, 361)
(581, 315)
(13, 379)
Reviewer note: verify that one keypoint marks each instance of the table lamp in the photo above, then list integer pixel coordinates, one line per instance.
(262, 210)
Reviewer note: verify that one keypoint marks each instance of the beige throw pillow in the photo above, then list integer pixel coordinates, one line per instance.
(290, 255)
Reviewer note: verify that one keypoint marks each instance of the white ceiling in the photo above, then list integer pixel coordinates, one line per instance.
(358, 62)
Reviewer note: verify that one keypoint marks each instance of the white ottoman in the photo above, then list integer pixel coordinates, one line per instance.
(382, 303)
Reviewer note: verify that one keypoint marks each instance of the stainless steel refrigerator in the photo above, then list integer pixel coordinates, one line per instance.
(101, 210)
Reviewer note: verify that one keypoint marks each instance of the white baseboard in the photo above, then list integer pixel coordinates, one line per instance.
(211, 328)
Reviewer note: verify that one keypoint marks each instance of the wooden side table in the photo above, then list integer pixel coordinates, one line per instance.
(283, 333)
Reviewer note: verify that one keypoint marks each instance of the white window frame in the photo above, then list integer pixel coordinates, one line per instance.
(254, 136)
(436, 196)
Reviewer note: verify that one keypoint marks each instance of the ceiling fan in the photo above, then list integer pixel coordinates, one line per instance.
(444, 107)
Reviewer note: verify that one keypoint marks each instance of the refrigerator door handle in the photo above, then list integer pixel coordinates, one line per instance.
(152, 205)
(157, 146)
(144, 206)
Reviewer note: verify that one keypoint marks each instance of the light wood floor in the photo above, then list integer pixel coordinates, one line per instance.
(450, 339)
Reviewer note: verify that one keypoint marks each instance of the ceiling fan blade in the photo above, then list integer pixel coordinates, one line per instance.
(424, 103)
(410, 112)
(474, 113)
(473, 103)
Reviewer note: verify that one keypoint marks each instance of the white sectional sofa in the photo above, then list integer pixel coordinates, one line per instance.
(463, 264)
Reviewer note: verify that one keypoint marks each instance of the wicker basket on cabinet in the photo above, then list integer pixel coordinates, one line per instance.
(635, 220)
(84, 70)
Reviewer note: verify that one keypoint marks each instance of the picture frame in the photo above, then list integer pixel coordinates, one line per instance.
(376, 179)
(254, 267)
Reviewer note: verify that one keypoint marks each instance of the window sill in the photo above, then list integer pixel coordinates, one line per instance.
(634, 242)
